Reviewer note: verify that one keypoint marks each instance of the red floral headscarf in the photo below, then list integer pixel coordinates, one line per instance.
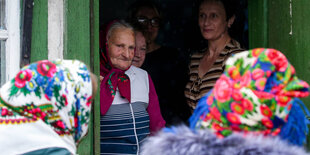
(257, 93)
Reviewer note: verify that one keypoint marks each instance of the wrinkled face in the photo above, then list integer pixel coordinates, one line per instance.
(139, 57)
(151, 31)
(121, 46)
(212, 20)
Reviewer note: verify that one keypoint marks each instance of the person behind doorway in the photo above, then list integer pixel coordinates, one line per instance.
(254, 108)
(128, 101)
(215, 17)
(45, 109)
(164, 64)
(140, 51)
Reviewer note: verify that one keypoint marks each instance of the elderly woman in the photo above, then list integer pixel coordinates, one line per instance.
(45, 109)
(254, 108)
(129, 105)
(140, 51)
(215, 17)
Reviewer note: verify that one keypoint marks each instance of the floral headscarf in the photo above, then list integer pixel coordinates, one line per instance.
(56, 93)
(258, 94)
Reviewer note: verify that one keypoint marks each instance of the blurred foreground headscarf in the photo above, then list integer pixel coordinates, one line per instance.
(258, 94)
(46, 105)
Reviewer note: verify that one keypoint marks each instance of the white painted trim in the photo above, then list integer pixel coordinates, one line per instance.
(3, 34)
(55, 29)
(13, 41)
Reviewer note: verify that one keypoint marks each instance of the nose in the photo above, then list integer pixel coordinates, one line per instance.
(206, 21)
(126, 53)
(138, 53)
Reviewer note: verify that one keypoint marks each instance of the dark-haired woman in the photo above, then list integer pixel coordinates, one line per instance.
(215, 17)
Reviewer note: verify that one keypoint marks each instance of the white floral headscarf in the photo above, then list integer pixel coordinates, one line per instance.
(52, 95)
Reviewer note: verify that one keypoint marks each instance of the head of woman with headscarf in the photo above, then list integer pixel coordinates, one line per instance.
(46, 107)
(116, 58)
(254, 108)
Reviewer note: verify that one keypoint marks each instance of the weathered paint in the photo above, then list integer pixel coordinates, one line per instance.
(55, 29)
(39, 31)
(95, 56)
(77, 30)
(286, 29)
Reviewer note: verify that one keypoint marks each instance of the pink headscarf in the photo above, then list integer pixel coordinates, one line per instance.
(113, 77)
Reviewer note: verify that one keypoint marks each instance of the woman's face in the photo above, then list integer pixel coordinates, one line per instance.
(121, 46)
(212, 20)
(151, 31)
(139, 57)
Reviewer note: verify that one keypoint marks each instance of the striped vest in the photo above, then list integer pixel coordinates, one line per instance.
(125, 126)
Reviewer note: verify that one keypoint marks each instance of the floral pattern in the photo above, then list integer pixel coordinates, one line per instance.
(255, 94)
(57, 93)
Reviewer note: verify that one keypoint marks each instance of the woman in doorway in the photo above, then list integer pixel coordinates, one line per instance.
(215, 17)
(128, 101)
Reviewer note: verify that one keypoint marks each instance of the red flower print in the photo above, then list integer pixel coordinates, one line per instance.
(22, 77)
(265, 110)
(276, 132)
(65, 98)
(4, 112)
(293, 69)
(217, 127)
(277, 59)
(257, 73)
(233, 118)
(245, 79)
(222, 89)
(282, 100)
(257, 51)
(234, 73)
(236, 95)
(215, 113)
(262, 94)
(60, 124)
(247, 104)
(46, 68)
(272, 54)
(45, 95)
(260, 83)
(210, 100)
(237, 108)
(267, 123)
(88, 103)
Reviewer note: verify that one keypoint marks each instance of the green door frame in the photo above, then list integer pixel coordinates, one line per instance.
(81, 41)
(283, 25)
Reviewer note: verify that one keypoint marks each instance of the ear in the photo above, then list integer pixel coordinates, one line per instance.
(231, 21)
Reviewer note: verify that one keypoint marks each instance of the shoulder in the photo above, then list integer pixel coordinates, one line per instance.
(136, 71)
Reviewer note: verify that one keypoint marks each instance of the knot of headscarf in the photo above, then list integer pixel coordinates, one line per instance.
(257, 93)
(113, 79)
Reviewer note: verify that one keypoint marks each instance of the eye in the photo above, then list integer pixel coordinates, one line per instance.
(202, 15)
(120, 45)
(131, 48)
(143, 49)
(213, 15)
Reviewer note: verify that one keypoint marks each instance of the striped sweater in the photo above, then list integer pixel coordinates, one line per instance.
(125, 125)
(197, 87)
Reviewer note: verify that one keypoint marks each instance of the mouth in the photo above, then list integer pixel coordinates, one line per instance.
(207, 30)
